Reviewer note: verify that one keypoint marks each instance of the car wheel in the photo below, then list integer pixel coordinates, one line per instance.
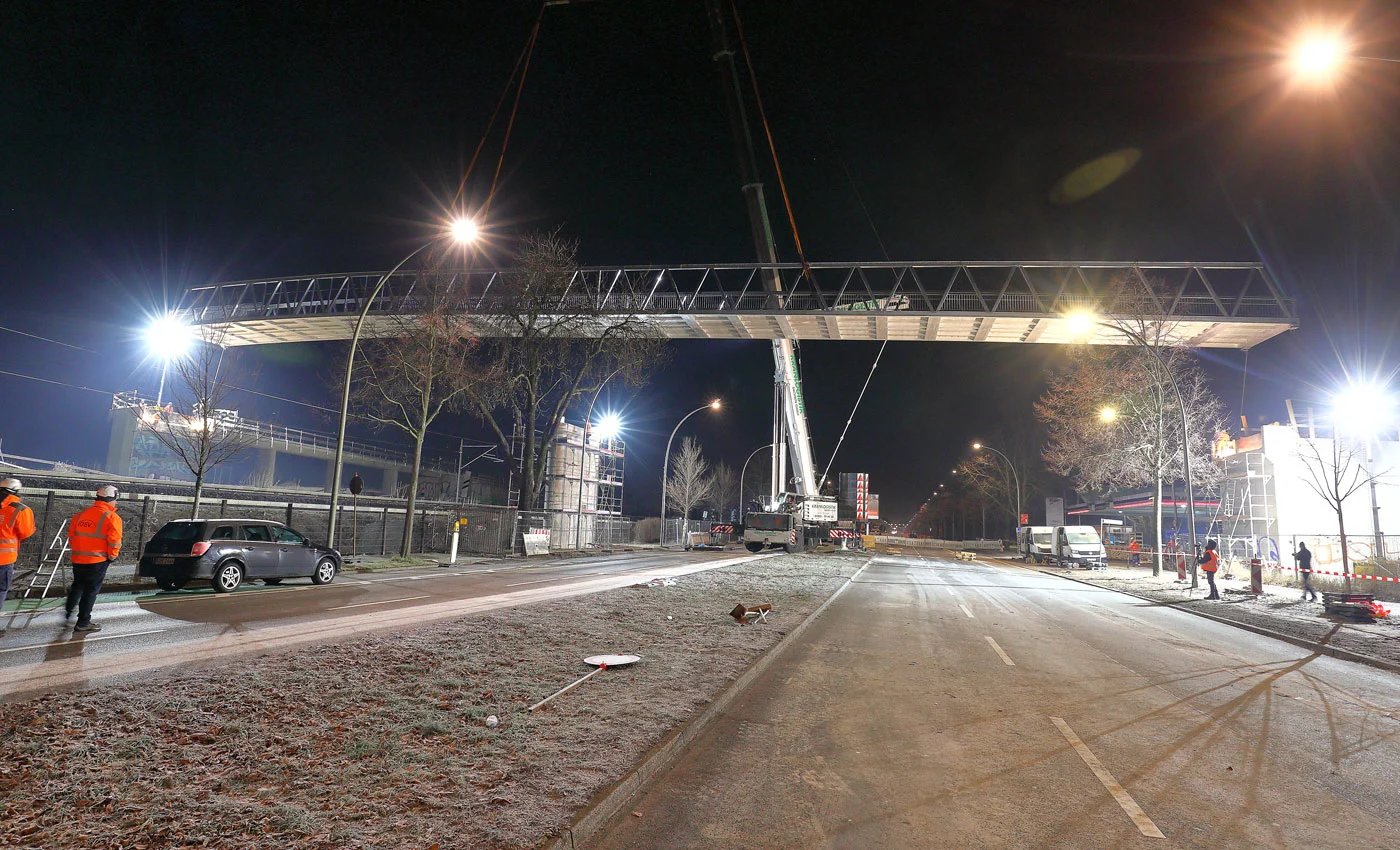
(272, 581)
(169, 584)
(754, 547)
(228, 577)
(325, 572)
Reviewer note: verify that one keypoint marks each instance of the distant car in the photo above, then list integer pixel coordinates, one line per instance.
(229, 552)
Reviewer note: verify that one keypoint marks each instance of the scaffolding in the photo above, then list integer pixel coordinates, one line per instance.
(1247, 517)
(582, 483)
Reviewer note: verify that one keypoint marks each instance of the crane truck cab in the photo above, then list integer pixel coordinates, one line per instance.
(1035, 542)
(1079, 546)
(795, 523)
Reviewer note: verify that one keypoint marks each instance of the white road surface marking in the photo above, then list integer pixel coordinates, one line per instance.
(1006, 659)
(82, 640)
(1125, 800)
(967, 612)
(380, 602)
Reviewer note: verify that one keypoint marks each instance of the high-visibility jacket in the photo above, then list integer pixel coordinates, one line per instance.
(1211, 562)
(16, 524)
(1134, 546)
(95, 534)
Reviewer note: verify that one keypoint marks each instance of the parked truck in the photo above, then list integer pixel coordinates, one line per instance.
(1035, 542)
(792, 525)
(1079, 546)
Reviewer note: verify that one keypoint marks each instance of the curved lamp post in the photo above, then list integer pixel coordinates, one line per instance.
(464, 231)
(666, 460)
(583, 462)
(744, 471)
(1014, 475)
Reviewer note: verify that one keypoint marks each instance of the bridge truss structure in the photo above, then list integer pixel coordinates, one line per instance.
(1211, 305)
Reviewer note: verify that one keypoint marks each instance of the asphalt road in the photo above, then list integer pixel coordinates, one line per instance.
(965, 705)
(140, 632)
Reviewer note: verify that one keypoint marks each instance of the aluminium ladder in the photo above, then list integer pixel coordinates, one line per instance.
(49, 565)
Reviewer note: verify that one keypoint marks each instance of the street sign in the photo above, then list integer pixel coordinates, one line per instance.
(1025, 519)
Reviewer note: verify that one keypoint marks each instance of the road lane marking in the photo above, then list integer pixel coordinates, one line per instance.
(380, 602)
(965, 611)
(53, 644)
(1125, 800)
(1006, 659)
(561, 578)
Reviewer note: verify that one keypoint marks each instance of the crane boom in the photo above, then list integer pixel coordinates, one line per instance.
(790, 418)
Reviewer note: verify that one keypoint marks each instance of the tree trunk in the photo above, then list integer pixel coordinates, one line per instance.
(1157, 517)
(1346, 557)
(198, 494)
(406, 543)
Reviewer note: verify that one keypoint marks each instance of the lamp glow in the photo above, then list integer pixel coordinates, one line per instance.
(1081, 322)
(976, 445)
(607, 427)
(714, 405)
(465, 231)
(168, 338)
(1317, 56)
(1107, 413)
(1363, 408)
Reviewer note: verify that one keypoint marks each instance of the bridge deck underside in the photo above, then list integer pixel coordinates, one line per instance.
(906, 326)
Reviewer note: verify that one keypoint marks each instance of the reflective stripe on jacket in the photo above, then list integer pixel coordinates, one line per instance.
(16, 525)
(95, 534)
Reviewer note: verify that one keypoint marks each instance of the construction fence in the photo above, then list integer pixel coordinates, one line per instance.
(575, 531)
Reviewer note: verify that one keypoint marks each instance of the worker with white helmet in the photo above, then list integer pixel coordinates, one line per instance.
(16, 526)
(95, 540)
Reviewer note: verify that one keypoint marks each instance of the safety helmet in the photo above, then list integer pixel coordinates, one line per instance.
(11, 484)
(106, 491)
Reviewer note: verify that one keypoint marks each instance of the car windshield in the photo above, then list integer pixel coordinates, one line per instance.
(178, 532)
(1075, 536)
(768, 522)
(1041, 538)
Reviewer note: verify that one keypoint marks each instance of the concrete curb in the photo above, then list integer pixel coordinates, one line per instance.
(613, 801)
(1324, 649)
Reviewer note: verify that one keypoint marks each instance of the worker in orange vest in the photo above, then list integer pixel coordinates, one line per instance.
(95, 540)
(1210, 562)
(16, 526)
(1135, 553)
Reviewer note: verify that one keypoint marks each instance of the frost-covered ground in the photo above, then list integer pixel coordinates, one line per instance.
(381, 742)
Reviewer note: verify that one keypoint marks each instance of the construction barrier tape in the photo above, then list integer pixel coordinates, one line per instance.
(1125, 555)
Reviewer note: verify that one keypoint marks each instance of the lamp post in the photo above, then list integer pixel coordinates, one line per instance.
(464, 231)
(666, 460)
(742, 473)
(1014, 476)
(1084, 321)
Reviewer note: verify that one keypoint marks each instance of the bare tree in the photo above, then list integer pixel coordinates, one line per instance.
(1140, 443)
(552, 340)
(691, 481)
(726, 490)
(417, 367)
(197, 426)
(992, 477)
(1336, 469)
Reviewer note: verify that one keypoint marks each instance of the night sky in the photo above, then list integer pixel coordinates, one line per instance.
(146, 147)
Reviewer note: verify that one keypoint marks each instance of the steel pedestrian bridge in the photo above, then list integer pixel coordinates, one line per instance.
(1212, 305)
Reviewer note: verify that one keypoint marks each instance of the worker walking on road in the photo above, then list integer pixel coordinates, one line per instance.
(16, 526)
(1135, 553)
(1210, 562)
(1304, 558)
(95, 540)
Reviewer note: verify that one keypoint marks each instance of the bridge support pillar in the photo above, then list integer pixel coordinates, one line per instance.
(391, 481)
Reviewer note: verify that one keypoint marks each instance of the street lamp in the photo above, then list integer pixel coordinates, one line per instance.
(613, 425)
(666, 460)
(742, 472)
(1014, 476)
(168, 338)
(1108, 414)
(1317, 56)
(464, 231)
(1367, 408)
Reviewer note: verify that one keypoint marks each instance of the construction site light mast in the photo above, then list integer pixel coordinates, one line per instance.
(789, 417)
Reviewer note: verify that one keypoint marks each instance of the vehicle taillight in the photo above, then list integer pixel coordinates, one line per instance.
(199, 548)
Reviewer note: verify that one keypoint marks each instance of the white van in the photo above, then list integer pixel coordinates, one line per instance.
(1079, 546)
(1035, 542)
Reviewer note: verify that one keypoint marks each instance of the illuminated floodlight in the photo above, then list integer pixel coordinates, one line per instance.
(1317, 56)
(465, 231)
(1081, 322)
(169, 338)
(608, 427)
(1363, 408)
